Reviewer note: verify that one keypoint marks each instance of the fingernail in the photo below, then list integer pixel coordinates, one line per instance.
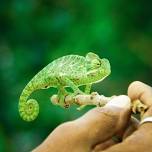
(121, 101)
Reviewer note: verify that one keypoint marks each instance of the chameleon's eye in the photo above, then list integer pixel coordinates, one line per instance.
(96, 63)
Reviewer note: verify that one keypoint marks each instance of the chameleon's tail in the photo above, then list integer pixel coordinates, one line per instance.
(28, 109)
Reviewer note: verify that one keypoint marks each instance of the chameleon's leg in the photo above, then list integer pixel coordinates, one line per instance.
(76, 90)
(88, 88)
(73, 86)
(62, 93)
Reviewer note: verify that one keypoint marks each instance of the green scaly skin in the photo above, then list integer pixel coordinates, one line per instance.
(68, 71)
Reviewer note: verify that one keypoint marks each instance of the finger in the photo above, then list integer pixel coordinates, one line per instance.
(132, 126)
(139, 90)
(104, 145)
(143, 136)
(101, 124)
(139, 141)
(148, 113)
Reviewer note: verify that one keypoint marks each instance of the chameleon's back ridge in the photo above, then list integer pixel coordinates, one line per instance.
(72, 71)
(67, 65)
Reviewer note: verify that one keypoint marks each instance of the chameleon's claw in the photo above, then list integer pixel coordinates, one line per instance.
(60, 101)
(66, 105)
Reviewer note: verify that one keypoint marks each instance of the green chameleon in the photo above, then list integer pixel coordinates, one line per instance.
(68, 71)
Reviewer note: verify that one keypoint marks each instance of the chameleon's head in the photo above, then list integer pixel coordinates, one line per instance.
(97, 66)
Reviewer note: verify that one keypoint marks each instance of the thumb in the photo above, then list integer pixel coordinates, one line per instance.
(100, 124)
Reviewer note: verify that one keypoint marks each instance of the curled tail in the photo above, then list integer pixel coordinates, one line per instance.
(28, 109)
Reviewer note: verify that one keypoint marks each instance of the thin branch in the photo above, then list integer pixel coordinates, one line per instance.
(98, 100)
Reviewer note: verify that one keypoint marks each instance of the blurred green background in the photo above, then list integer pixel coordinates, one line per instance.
(35, 32)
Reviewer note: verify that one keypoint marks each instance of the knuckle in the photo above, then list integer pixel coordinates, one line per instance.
(133, 87)
(135, 84)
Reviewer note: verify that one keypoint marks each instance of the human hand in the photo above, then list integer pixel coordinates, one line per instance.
(93, 132)
(141, 139)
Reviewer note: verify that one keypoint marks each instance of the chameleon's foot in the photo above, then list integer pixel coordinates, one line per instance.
(78, 92)
(74, 94)
(60, 101)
